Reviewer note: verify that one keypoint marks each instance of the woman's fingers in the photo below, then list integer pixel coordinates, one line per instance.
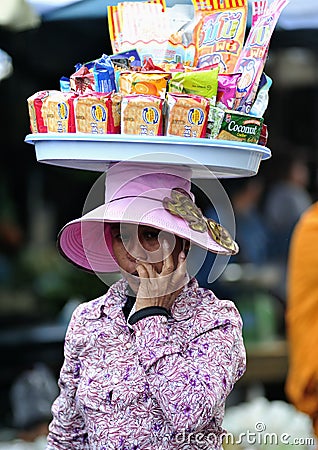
(180, 276)
(167, 266)
(146, 270)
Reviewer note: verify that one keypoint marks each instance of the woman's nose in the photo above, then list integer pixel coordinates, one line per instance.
(136, 250)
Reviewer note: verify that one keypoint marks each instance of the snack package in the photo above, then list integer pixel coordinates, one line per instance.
(227, 86)
(253, 56)
(142, 115)
(166, 35)
(82, 80)
(37, 113)
(104, 74)
(146, 83)
(263, 136)
(187, 115)
(116, 110)
(94, 114)
(219, 33)
(60, 112)
(240, 127)
(65, 84)
(143, 26)
(262, 98)
(201, 82)
(215, 119)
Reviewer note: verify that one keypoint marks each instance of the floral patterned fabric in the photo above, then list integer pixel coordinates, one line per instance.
(162, 385)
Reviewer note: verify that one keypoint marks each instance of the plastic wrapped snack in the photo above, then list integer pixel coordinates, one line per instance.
(37, 113)
(240, 127)
(187, 115)
(146, 83)
(201, 82)
(219, 33)
(215, 119)
(60, 112)
(227, 86)
(253, 56)
(142, 115)
(94, 114)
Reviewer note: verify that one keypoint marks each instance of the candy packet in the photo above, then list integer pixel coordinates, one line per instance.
(219, 33)
(253, 56)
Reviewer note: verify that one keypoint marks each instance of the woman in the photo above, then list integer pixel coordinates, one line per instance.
(150, 364)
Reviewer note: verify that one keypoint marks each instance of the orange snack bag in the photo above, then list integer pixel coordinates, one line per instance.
(141, 114)
(187, 115)
(219, 33)
(94, 114)
(146, 83)
(36, 107)
(60, 112)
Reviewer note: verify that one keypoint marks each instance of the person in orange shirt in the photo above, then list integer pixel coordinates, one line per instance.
(302, 316)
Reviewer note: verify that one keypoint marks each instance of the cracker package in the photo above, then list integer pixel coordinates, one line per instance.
(142, 115)
(186, 115)
(240, 127)
(60, 112)
(37, 114)
(94, 114)
(219, 33)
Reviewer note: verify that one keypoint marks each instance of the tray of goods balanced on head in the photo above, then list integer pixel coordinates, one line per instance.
(184, 85)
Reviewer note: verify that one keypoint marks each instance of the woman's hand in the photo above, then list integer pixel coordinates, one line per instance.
(161, 289)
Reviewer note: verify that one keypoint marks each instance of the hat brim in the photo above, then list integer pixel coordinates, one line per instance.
(84, 242)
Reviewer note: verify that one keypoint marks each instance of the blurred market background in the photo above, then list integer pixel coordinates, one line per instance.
(41, 41)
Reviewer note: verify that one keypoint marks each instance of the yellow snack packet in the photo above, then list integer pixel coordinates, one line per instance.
(219, 33)
(145, 83)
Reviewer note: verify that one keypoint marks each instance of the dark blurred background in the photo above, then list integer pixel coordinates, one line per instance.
(38, 289)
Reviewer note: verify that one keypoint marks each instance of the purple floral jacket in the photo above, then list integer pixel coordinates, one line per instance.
(161, 386)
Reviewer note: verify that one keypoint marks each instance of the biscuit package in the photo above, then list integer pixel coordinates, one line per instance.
(94, 114)
(240, 127)
(142, 115)
(186, 115)
(36, 107)
(60, 112)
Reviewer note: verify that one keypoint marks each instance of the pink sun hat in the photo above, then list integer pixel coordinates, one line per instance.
(155, 195)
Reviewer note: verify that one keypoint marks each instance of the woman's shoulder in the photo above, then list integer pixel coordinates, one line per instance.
(223, 309)
(93, 309)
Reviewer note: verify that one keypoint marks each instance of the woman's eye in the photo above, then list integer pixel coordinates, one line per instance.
(151, 236)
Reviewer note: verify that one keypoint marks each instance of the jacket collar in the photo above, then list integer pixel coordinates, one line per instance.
(111, 303)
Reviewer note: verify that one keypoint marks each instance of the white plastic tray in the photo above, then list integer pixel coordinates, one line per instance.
(225, 159)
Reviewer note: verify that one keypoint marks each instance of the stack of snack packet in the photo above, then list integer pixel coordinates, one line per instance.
(200, 80)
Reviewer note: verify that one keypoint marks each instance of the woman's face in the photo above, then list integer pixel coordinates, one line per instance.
(140, 243)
